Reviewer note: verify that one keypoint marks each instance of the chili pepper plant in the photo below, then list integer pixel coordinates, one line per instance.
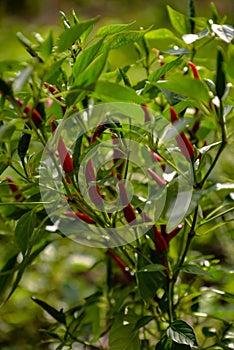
(133, 161)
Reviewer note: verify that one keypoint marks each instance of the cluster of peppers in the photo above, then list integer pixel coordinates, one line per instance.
(161, 237)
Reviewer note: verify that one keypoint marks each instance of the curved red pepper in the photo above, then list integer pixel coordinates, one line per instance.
(120, 263)
(128, 210)
(157, 178)
(94, 192)
(195, 71)
(183, 142)
(65, 158)
(86, 218)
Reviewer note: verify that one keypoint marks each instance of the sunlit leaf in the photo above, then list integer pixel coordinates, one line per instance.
(182, 333)
(178, 20)
(113, 29)
(69, 36)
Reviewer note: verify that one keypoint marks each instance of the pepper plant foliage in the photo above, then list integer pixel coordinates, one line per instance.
(162, 290)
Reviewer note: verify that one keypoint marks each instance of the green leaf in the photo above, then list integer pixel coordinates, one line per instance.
(160, 34)
(165, 343)
(53, 70)
(187, 87)
(143, 321)
(24, 230)
(69, 36)
(47, 46)
(178, 21)
(155, 76)
(123, 336)
(90, 75)
(5, 276)
(220, 75)
(86, 57)
(3, 163)
(195, 269)
(5, 88)
(112, 29)
(21, 79)
(152, 268)
(182, 333)
(28, 45)
(123, 39)
(150, 281)
(6, 131)
(57, 315)
(114, 92)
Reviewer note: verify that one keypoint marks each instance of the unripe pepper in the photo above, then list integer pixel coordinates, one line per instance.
(183, 142)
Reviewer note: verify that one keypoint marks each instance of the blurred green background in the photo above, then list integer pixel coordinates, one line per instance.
(60, 275)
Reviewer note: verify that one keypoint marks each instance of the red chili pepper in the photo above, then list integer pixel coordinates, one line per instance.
(35, 116)
(159, 159)
(146, 111)
(128, 210)
(157, 178)
(53, 126)
(121, 264)
(86, 218)
(65, 158)
(172, 234)
(94, 192)
(117, 154)
(161, 244)
(195, 71)
(14, 188)
(183, 142)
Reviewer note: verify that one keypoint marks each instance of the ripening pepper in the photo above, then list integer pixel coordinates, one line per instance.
(183, 142)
